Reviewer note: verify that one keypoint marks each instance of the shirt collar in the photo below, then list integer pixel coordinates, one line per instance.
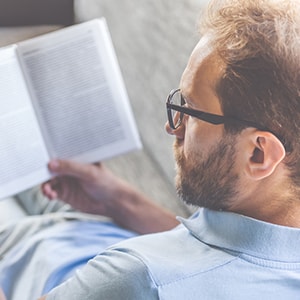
(239, 233)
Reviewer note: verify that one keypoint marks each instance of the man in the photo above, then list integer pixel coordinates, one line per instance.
(236, 124)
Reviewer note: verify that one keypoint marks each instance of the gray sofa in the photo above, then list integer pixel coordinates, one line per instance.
(153, 40)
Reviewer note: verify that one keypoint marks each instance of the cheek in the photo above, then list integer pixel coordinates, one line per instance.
(200, 137)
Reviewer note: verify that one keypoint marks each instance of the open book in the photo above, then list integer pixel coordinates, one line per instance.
(61, 95)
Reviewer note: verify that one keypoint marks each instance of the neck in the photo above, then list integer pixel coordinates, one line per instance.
(286, 214)
(272, 202)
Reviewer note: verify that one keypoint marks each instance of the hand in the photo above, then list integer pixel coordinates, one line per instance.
(86, 187)
(92, 188)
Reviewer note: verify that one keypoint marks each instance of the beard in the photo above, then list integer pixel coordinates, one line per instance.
(210, 181)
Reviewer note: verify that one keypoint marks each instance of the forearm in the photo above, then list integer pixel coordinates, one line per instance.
(92, 188)
(134, 211)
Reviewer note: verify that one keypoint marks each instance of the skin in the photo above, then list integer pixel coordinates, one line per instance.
(261, 186)
(94, 189)
(203, 153)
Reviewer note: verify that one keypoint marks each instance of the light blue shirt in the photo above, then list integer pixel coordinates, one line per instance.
(49, 249)
(214, 255)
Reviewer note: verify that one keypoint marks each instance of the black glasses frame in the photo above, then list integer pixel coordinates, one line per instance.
(201, 115)
(208, 117)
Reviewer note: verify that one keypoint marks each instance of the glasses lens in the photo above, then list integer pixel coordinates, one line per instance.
(177, 116)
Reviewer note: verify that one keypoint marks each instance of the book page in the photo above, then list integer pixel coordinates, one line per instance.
(79, 93)
(23, 157)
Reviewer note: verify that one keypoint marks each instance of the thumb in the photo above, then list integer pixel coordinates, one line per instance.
(71, 168)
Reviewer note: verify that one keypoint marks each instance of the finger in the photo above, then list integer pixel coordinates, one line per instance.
(72, 168)
(48, 191)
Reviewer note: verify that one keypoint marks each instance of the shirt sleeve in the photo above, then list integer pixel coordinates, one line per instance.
(114, 274)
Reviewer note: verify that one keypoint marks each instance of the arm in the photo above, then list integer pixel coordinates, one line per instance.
(92, 188)
(117, 273)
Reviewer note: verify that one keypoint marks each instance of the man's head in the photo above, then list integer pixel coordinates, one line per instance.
(259, 42)
(246, 66)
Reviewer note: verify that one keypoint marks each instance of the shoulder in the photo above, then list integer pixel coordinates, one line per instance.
(107, 276)
(172, 255)
(142, 268)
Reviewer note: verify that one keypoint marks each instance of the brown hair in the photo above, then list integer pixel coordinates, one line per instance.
(259, 42)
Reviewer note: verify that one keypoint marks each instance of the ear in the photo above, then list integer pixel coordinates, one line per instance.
(266, 154)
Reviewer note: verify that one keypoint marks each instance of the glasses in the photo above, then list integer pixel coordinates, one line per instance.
(176, 111)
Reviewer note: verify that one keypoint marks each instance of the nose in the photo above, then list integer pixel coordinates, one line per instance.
(178, 132)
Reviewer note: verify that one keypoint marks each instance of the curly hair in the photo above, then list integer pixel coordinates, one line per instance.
(259, 43)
